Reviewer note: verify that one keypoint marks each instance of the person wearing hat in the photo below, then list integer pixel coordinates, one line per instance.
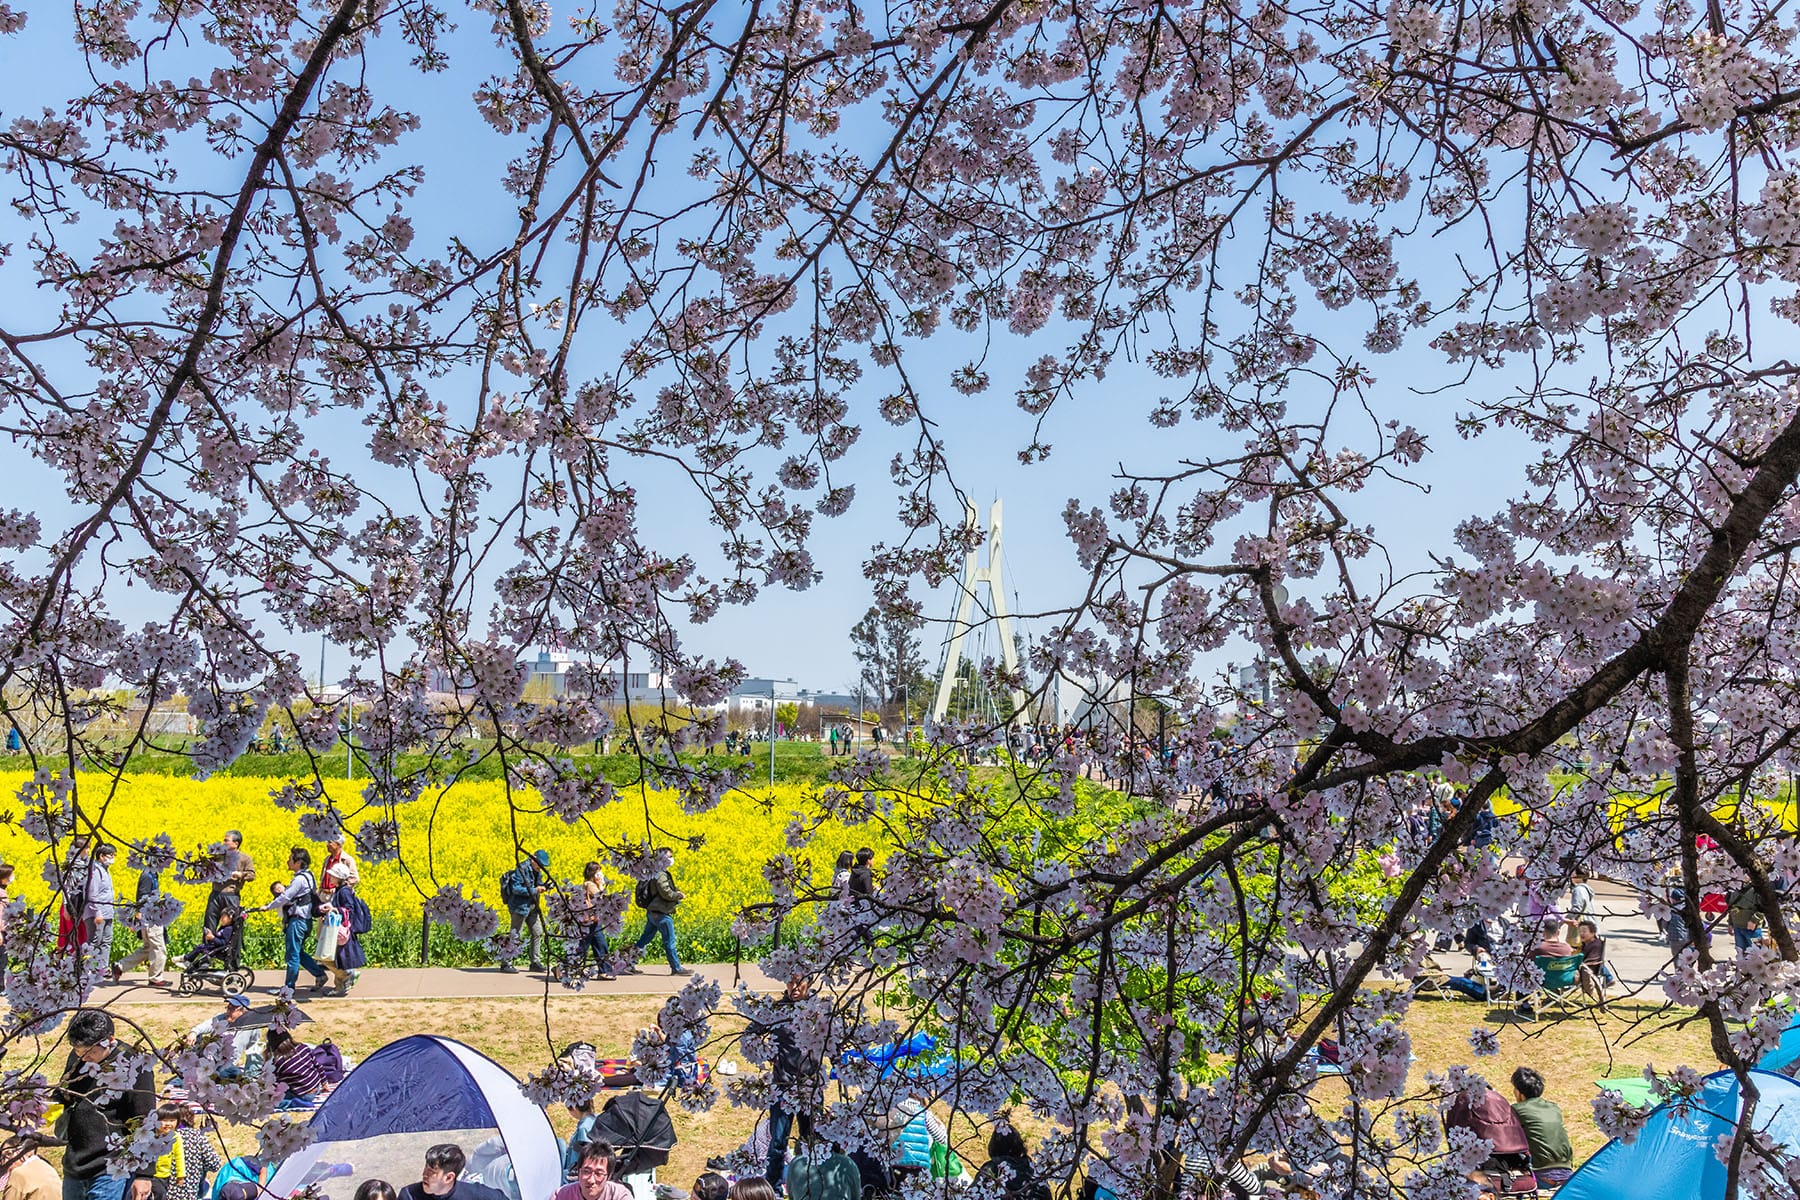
(521, 890)
(23, 1174)
(237, 1007)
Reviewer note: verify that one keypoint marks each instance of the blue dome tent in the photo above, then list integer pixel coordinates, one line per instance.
(1673, 1158)
(412, 1094)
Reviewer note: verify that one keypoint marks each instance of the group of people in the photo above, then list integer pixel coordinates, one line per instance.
(108, 1089)
(323, 919)
(1531, 1147)
(524, 888)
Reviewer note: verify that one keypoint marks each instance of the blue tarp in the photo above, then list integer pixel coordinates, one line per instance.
(1673, 1158)
(903, 1058)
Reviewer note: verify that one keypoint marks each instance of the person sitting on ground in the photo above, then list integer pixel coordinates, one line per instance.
(585, 1116)
(918, 1132)
(1489, 1116)
(1009, 1166)
(242, 1042)
(1552, 1158)
(444, 1164)
(710, 1186)
(24, 1175)
(375, 1189)
(171, 1169)
(1550, 940)
(594, 1177)
(294, 1064)
(818, 1171)
(754, 1187)
(197, 1149)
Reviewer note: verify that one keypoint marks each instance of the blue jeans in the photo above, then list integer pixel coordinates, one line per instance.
(664, 924)
(296, 930)
(102, 1187)
(781, 1125)
(594, 938)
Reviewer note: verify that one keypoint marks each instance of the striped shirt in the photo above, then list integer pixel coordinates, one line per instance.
(299, 1069)
(1198, 1169)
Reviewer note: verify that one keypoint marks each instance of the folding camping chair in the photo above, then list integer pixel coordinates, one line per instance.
(1561, 987)
(1432, 981)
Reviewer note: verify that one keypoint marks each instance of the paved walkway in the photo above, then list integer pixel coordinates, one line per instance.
(460, 983)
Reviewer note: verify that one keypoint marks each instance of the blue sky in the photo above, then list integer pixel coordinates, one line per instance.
(802, 635)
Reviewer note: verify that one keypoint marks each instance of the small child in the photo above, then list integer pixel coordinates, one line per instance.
(171, 1168)
(1593, 952)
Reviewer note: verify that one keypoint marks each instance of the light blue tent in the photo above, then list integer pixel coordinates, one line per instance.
(1674, 1158)
(1786, 1051)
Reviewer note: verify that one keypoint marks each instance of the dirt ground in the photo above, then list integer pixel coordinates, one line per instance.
(522, 1035)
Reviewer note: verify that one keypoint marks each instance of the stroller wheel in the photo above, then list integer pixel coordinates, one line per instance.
(189, 985)
(235, 981)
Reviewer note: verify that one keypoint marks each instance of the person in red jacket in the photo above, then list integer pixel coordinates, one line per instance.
(1490, 1116)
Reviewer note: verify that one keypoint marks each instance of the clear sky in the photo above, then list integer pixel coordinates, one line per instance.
(803, 635)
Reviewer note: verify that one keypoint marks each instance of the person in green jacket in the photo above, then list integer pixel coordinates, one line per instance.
(820, 1172)
(1552, 1158)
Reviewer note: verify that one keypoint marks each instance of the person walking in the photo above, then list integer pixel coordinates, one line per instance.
(154, 953)
(659, 898)
(227, 892)
(586, 909)
(354, 919)
(99, 1107)
(101, 909)
(522, 890)
(295, 904)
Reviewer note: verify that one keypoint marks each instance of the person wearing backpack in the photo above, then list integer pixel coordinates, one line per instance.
(520, 889)
(297, 904)
(355, 920)
(659, 898)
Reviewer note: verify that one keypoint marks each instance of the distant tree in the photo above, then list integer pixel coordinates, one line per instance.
(886, 645)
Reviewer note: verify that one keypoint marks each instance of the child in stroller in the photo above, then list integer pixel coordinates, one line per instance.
(215, 960)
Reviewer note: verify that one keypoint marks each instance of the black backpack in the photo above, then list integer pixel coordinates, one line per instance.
(645, 892)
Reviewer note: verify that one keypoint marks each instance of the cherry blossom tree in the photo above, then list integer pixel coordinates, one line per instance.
(733, 236)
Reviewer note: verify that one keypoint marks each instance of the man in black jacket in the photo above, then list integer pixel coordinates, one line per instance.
(790, 1073)
(90, 1115)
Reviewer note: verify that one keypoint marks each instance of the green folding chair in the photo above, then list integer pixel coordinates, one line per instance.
(1561, 988)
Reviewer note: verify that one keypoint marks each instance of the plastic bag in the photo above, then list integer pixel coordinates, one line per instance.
(325, 948)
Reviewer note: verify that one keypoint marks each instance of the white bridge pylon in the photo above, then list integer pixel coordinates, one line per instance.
(974, 575)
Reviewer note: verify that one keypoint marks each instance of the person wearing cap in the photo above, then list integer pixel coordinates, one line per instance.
(522, 905)
(23, 1174)
(237, 1007)
(94, 1113)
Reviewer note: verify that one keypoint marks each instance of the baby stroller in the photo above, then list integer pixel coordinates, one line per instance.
(215, 961)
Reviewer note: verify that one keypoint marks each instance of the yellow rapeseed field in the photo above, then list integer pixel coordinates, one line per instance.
(463, 836)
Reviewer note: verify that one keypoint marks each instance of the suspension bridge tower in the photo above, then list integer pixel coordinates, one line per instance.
(974, 577)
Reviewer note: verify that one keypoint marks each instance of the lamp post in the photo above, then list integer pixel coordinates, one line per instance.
(771, 735)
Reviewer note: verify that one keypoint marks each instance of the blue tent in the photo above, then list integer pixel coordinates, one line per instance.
(411, 1093)
(1673, 1158)
(1786, 1051)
